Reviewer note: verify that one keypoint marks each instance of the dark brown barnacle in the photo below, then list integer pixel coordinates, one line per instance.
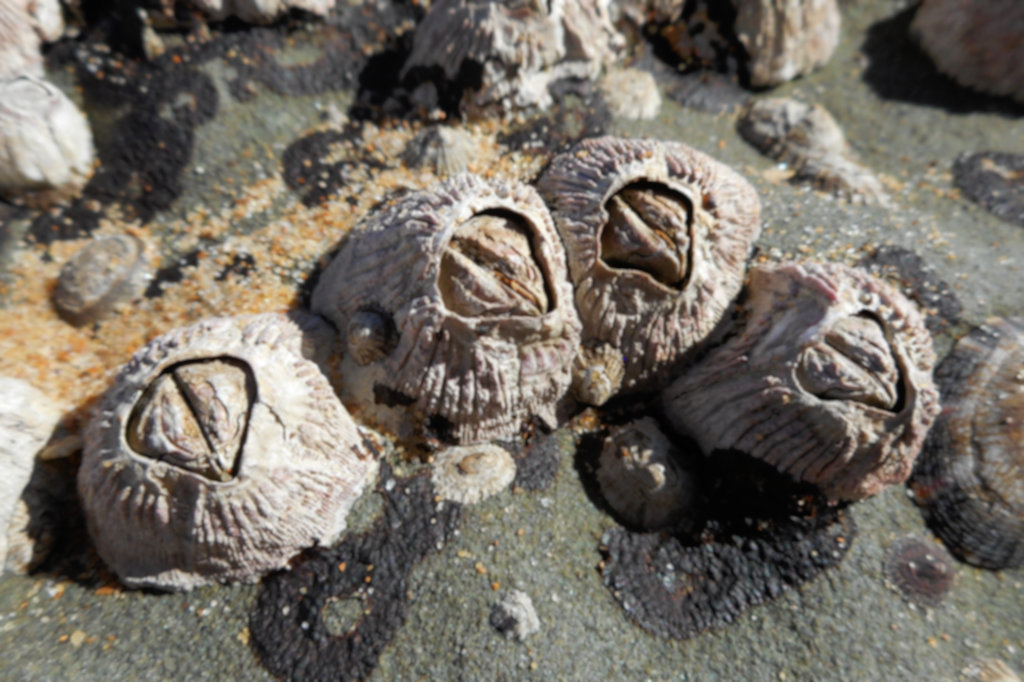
(219, 453)
(970, 480)
(472, 275)
(657, 237)
(828, 378)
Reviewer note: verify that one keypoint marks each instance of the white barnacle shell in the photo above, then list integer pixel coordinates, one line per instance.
(520, 46)
(829, 380)
(46, 147)
(24, 24)
(261, 11)
(657, 236)
(27, 420)
(640, 476)
(219, 453)
(471, 473)
(472, 276)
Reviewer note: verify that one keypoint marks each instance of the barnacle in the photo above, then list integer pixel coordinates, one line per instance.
(104, 273)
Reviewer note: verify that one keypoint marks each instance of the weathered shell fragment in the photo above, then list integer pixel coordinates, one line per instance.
(515, 617)
(970, 480)
(471, 473)
(640, 476)
(785, 39)
(808, 139)
(27, 421)
(472, 278)
(445, 150)
(597, 374)
(631, 93)
(46, 148)
(829, 380)
(657, 236)
(218, 454)
(103, 274)
(977, 43)
(519, 47)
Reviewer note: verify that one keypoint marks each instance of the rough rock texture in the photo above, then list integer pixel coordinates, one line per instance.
(657, 236)
(978, 42)
(786, 39)
(472, 276)
(828, 379)
(219, 453)
(808, 139)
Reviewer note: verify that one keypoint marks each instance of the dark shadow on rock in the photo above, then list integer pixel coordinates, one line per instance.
(899, 70)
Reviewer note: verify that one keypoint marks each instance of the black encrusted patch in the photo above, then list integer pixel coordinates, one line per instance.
(994, 180)
(760, 535)
(918, 282)
(287, 624)
(306, 172)
(537, 463)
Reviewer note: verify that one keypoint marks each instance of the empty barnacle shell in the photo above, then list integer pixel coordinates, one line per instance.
(471, 473)
(829, 380)
(517, 48)
(785, 39)
(46, 148)
(657, 236)
(104, 273)
(443, 149)
(597, 373)
(640, 476)
(970, 479)
(219, 453)
(472, 276)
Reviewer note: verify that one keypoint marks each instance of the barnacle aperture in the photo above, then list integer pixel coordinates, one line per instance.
(657, 237)
(827, 378)
(970, 480)
(472, 277)
(220, 452)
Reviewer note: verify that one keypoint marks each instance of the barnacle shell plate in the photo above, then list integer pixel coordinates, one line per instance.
(970, 480)
(829, 380)
(657, 302)
(284, 462)
(483, 353)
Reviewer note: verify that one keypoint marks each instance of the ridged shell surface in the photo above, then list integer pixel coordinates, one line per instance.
(668, 282)
(219, 453)
(828, 379)
(482, 346)
(970, 480)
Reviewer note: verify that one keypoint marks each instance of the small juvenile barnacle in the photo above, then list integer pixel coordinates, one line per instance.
(516, 49)
(828, 379)
(443, 149)
(472, 276)
(46, 148)
(471, 473)
(104, 273)
(640, 476)
(597, 373)
(657, 236)
(218, 454)
(970, 480)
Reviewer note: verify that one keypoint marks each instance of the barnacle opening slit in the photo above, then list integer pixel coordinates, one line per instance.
(854, 361)
(490, 267)
(195, 416)
(649, 228)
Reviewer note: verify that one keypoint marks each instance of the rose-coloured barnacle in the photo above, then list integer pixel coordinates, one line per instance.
(828, 379)
(657, 236)
(969, 482)
(977, 44)
(787, 39)
(104, 273)
(45, 143)
(219, 453)
(640, 476)
(518, 48)
(471, 473)
(597, 373)
(473, 277)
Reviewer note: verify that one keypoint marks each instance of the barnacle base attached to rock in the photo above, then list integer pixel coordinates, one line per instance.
(657, 236)
(829, 380)
(920, 569)
(970, 480)
(472, 276)
(219, 453)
